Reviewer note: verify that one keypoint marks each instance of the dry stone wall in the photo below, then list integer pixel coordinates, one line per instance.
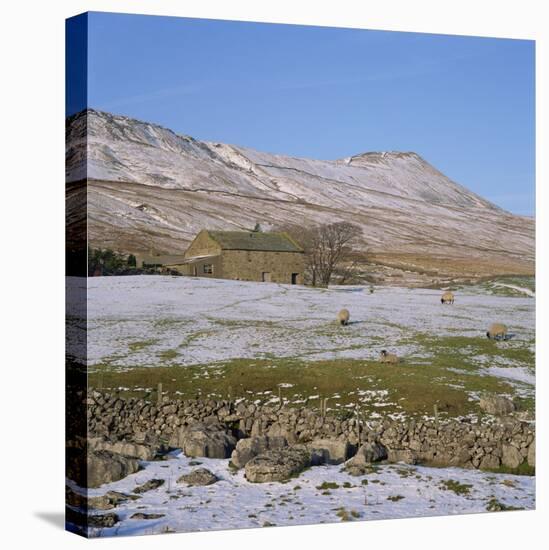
(503, 442)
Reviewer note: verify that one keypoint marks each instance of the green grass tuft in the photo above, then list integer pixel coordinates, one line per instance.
(456, 487)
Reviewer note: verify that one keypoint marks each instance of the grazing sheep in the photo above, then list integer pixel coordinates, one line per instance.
(385, 357)
(447, 298)
(497, 331)
(343, 317)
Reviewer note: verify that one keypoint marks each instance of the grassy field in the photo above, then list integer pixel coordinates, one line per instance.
(271, 343)
(444, 374)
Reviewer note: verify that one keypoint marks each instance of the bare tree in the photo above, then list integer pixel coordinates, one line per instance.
(327, 248)
(332, 246)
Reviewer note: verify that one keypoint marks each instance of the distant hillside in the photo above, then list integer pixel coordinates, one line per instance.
(149, 188)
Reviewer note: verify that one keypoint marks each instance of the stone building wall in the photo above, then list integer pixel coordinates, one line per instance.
(203, 245)
(248, 265)
(197, 268)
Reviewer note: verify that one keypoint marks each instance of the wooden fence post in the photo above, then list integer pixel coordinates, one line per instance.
(357, 424)
(159, 393)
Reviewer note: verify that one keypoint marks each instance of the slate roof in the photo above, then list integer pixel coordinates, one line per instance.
(255, 240)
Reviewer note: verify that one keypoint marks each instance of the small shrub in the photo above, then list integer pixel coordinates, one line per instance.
(343, 515)
(327, 485)
(495, 506)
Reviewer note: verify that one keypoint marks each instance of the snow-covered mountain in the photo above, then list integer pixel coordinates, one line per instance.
(149, 188)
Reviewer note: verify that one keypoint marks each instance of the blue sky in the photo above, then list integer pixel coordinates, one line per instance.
(465, 104)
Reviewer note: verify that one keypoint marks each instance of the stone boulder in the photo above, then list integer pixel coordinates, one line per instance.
(496, 404)
(330, 451)
(106, 467)
(198, 477)
(248, 448)
(402, 455)
(490, 462)
(206, 440)
(277, 431)
(109, 500)
(366, 455)
(150, 485)
(532, 454)
(371, 452)
(277, 465)
(460, 457)
(124, 448)
(511, 457)
(84, 522)
(143, 515)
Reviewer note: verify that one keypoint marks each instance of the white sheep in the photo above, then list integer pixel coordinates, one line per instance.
(385, 357)
(343, 317)
(447, 298)
(497, 331)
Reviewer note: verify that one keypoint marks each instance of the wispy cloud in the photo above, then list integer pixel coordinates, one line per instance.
(411, 70)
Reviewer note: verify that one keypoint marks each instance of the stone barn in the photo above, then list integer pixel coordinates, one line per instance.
(244, 256)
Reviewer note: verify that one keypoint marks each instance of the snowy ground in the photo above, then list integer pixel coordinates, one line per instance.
(392, 491)
(149, 321)
(153, 321)
(133, 320)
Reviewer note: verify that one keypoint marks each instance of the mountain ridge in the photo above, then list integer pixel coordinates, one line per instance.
(151, 188)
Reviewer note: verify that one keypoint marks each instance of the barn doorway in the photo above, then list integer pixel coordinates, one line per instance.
(294, 278)
(266, 277)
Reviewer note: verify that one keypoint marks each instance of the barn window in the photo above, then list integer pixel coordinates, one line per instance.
(208, 268)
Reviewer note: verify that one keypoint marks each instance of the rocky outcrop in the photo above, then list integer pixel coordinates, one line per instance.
(149, 486)
(366, 454)
(198, 477)
(277, 465)
(109, 500)
(143, 515)
(511, 456)
(250, 447)
(106, 467)
(124, 448)
(83, 522)
(330, 451)
(490, 462)
(207, 440)
(407, 456)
